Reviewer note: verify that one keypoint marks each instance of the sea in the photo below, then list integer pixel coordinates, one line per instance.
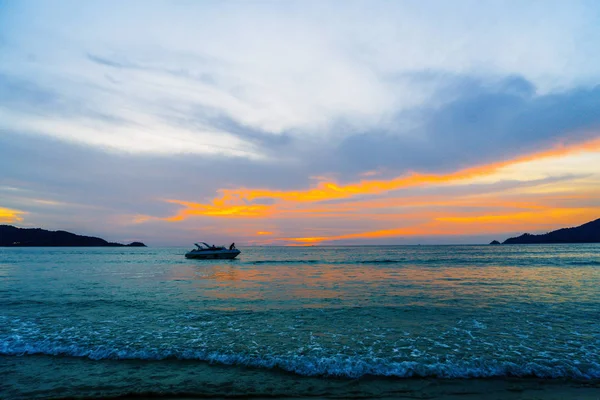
(303, 322)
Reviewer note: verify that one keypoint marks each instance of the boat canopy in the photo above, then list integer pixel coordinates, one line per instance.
(208, 246)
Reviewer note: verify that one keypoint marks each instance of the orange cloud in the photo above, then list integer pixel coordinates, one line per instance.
(476, 224)
(332, 191)
(218, 209)
(8, 215)
(239, 202)
(430, 215)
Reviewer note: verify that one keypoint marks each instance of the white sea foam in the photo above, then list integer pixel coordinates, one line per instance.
(338, 365)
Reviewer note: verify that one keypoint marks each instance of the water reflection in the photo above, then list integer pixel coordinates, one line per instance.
(6, 270)
(387, 285)
(457, 308)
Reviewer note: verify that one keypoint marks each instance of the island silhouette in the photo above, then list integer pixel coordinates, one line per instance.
(12, 236)
(586, 233)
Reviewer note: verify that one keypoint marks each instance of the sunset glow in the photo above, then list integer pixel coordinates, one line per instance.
(8, 216)
(286, 128)
(299, 199)
(427, 215)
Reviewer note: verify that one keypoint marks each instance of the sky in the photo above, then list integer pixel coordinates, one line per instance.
(299, 122)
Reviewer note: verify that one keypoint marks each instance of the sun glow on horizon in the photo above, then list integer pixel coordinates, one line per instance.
(300, 122)
(537, 201)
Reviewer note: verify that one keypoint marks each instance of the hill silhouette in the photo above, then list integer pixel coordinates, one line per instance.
(21, 237)
(586, 233)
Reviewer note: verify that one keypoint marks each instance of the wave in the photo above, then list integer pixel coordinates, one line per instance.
(586, 263)
(343, 366)
(259, 262)
(424, 262)
(349, 262)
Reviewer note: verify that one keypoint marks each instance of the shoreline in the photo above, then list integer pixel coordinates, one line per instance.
(55, 377)
(409, 388)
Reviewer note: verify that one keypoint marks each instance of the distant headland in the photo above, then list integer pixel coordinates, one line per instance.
(11, 236)
(586, 233)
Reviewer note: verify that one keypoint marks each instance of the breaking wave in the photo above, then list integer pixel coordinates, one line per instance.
(329, 366)
(585, 263)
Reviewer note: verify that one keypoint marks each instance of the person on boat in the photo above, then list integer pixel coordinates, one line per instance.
(232, 246)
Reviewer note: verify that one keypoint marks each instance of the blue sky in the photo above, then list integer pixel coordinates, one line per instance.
(170, 121)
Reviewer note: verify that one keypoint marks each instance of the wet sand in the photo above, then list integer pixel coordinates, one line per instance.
(447, 389)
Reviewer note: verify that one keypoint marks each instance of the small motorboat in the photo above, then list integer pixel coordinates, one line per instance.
(212, 252)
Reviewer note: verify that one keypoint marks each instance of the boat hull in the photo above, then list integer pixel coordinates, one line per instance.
(213, 255)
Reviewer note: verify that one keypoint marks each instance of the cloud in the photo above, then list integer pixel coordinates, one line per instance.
(414, 205)
(8, 215)
(269, 117)
(296, 69)
(484, 121)
(465, 225)
(235, 201)
(29, 98)
(66, 185)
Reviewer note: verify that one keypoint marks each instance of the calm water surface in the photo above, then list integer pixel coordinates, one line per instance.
(115, 321)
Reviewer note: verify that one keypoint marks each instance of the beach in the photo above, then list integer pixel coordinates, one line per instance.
(443, 322)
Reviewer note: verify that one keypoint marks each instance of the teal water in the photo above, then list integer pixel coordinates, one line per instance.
(146, 320)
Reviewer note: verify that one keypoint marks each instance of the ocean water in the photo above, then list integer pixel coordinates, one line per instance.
(279, 321)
